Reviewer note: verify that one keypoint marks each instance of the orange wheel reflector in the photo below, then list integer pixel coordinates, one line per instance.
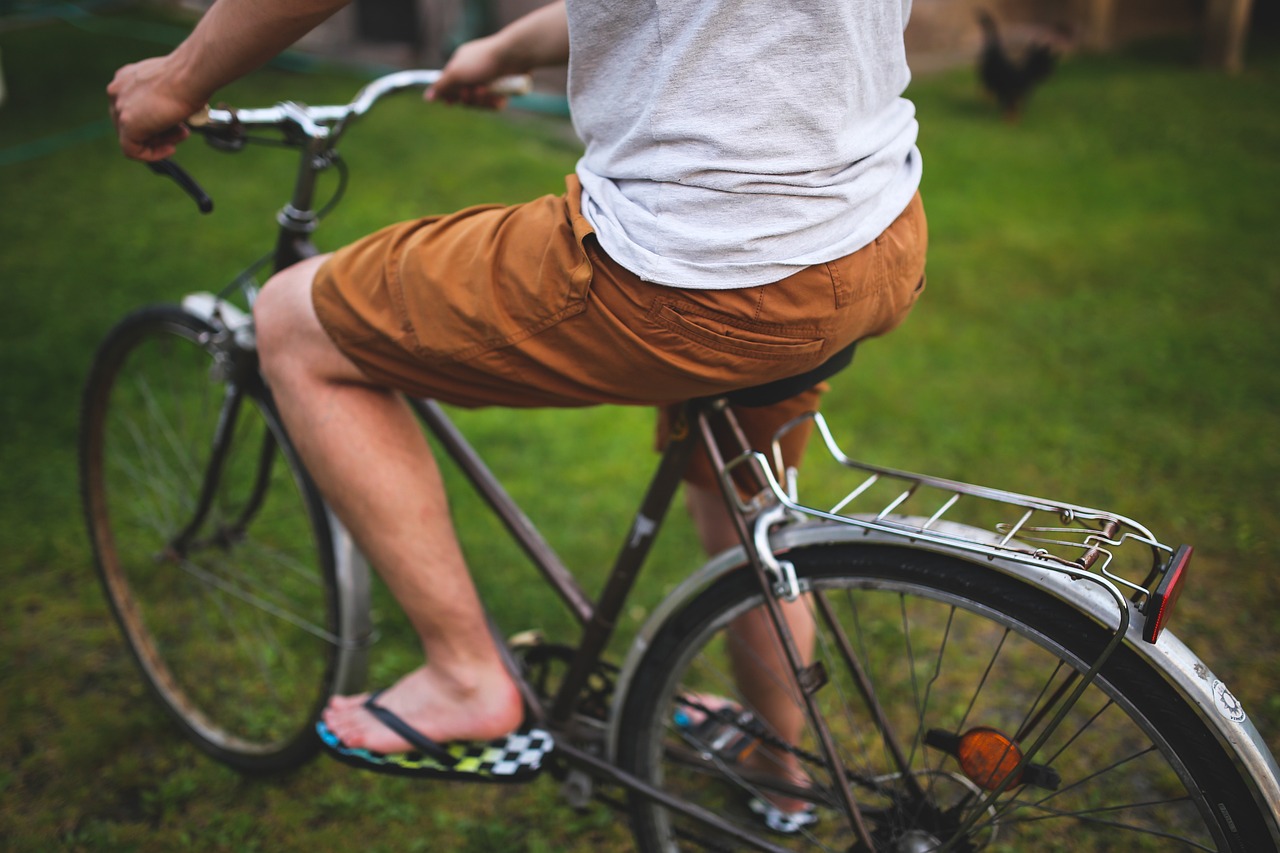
(986, 756)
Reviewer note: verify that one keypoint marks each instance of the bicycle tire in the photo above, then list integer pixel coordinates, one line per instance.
(239, 636)
(1140, 767)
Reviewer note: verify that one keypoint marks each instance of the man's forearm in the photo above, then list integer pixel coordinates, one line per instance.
(236, 36)
(538, 39)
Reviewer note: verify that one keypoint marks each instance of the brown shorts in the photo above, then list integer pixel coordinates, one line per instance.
(518, 306)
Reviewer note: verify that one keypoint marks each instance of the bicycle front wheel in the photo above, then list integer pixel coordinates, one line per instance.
(220, 574)
(968, 667)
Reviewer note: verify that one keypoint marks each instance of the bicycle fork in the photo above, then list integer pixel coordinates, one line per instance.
(232, 365)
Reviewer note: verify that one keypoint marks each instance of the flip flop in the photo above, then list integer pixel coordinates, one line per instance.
(783, 823)
(726, 733)
(517, 757)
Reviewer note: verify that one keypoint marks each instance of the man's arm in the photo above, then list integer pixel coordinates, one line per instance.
(538, 39)
(150, 99)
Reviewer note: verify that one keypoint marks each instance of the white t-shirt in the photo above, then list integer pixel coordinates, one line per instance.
(730, 143)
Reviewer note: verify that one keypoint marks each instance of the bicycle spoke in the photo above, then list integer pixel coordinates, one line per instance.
(1086, 818)
(248, 646)
(209, 579)
(164, 427)
(155, 476)
(1086, 780)
(982, 682)
(1080, 730)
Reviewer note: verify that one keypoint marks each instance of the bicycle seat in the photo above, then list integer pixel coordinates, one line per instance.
(781, 389)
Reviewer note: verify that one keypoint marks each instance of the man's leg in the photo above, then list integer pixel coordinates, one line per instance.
(366, 452)
(759, 665)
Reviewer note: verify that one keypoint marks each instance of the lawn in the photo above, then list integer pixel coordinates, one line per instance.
(1098, 327)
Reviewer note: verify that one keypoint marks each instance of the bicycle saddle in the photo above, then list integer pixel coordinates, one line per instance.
(781, 389)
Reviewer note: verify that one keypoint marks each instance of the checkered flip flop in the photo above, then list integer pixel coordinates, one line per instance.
(515, 758)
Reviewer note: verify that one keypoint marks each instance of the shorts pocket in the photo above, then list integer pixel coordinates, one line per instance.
(734, 336)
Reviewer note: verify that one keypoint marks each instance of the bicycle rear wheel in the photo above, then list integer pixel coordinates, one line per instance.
(227, 600)
(954, 653)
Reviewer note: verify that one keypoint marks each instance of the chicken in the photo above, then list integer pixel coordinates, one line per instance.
(1010, 80)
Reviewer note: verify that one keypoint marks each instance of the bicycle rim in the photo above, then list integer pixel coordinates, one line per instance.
(235, 629)
(953, 653)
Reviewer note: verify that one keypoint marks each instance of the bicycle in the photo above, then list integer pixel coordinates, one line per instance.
(990, 671)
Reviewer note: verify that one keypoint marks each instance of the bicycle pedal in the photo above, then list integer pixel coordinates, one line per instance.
(727, 736)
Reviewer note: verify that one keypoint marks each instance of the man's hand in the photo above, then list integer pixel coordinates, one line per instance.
(147, 110)
(539, 39)
(466, 77)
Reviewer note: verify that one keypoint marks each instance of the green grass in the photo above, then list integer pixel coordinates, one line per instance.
(1098, 327)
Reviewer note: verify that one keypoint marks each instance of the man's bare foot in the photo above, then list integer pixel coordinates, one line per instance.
(436, 706)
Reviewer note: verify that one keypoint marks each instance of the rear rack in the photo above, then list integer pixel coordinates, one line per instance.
(987, 522)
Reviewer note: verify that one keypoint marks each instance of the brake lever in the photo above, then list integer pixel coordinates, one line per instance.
(170, 169)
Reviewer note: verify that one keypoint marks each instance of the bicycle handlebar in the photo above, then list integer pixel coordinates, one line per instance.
(321, 123)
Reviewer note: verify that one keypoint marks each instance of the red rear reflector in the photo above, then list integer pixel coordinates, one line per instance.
(1166, 594)
(986, 756)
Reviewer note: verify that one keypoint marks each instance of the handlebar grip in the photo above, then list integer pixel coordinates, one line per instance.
(516, 84)
(170, 169)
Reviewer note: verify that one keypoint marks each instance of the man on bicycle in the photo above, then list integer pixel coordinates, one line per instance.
(746, 207)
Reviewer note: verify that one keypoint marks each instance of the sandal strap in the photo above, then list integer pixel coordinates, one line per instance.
(421, 742)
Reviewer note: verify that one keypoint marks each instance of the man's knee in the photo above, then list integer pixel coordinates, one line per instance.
(293, 346)
(283, 317)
